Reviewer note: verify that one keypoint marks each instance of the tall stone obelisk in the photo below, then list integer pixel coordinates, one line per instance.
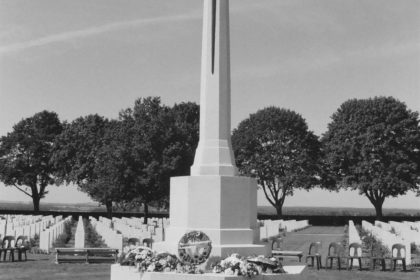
(214, 199)
(214, 155)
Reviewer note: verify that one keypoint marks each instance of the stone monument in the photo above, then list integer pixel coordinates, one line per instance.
(214, 199)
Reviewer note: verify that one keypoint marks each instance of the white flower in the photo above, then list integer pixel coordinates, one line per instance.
(151, 267)
(229, 271)
(235, 256)
(163, 262)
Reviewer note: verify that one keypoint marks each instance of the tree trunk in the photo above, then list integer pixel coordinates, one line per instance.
(35, 200)
(377, 199)
(279, 209)
(108, 205)
(146, 212)
(279, 204)
(378, 209)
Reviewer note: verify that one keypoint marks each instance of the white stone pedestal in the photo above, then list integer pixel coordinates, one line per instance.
(223, 207)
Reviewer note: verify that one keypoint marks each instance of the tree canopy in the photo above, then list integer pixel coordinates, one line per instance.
(130, 160)
(89, 154)
(25, 155)
(275, 146)
(373, 146)
(162, 145)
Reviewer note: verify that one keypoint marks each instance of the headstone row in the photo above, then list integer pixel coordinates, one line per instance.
(414, 225)
(134, 228)
(383, 225)
(406, 232)
(50, 234)
(112, 238)
(388, 239)
(26, 225)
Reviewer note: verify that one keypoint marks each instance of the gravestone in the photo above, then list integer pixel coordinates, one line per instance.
(214, 199)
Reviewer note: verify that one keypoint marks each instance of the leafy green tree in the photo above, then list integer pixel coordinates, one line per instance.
(373, 146)
(89, 153)
(75, 149)
(25, 155)
(275, 146)
(162, 144)
(129, 162)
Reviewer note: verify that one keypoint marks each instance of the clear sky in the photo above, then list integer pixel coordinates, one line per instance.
(78, 57)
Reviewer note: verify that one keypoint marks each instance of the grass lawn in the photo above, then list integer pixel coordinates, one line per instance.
(42, 267)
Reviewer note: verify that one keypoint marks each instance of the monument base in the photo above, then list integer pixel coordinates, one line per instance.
(222, 207)
(119, 272)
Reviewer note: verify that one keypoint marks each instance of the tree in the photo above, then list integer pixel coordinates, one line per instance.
(89, 154)
(129, 161)
(163, 142)
(372, 145)
(25, 155)
(275, 146)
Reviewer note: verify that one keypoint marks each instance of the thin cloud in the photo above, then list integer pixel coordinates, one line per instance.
(317, 61)
(92, 31)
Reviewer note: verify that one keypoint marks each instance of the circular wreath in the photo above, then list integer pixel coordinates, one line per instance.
(194, 248)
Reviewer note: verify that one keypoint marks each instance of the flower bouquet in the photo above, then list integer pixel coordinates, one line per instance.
(139, 256)
(248, 267)
(163, 262)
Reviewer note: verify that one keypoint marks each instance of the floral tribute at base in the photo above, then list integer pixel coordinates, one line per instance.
(147, 260)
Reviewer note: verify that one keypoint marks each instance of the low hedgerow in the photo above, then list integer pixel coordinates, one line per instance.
(34, 245)
(34, 241)
(345, 240)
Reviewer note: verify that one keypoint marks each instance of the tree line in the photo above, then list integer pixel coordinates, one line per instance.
(371, 145)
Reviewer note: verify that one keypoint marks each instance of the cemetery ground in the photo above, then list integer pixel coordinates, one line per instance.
(43, 267)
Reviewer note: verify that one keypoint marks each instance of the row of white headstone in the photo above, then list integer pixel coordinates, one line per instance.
(406, 232)
(113, 231)
(414, 225)
(139, 222)
(388, 238)
(26, 225)
(50, 234)
(270, 228)
(111, 237)
(134, 228)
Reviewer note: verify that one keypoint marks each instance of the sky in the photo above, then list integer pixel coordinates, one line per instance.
(79, 57)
